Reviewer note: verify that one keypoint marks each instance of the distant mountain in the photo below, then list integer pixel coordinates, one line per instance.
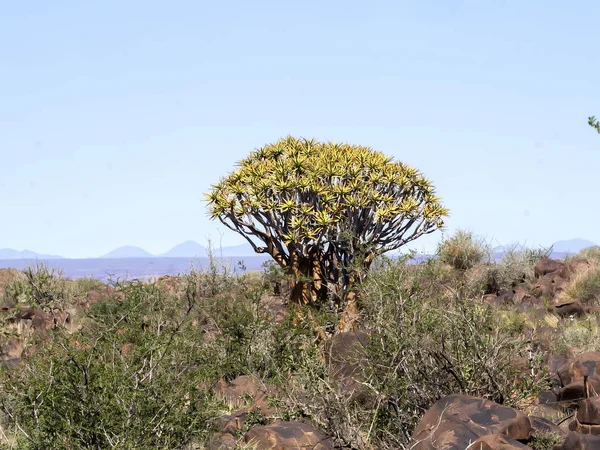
(236, 250)
(572, 245)
(9, 253)
(128, 251)
(187, 249)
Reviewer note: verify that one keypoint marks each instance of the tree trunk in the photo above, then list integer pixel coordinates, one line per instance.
(306, 284)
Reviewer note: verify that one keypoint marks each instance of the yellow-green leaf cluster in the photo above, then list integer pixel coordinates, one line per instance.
(304, 187)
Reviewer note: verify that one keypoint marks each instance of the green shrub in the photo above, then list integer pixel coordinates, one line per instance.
(129, 379)
(463, 250)
(41, 286)
(545, 440)
(88, 284)
(423, 346)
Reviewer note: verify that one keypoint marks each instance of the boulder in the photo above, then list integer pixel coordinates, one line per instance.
(288, 435)
(573, 267)
(221, 441)
(543, 425)
(521, 295)
(546, 265)
(549, 285)
(589, 411)
(575, 391)
(505, 297)
(497, 442)
(345, 355)
(569, 308)
(587, 420)
(456, 421)
(577, 441)
(579, 366)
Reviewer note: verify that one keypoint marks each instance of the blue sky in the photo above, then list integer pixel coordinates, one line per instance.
(116, 117)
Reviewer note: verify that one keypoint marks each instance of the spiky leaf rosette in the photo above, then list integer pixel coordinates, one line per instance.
(302, 196)
(594, 123)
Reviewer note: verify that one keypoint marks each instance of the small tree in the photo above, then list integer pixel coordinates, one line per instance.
(324, 211)
(594, 123)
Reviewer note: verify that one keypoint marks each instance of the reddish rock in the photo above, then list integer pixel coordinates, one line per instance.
(489, 299)
(221, 441)
(569, 308)
(169, 283)
(233, 423)
(41, 321)
(345, 351)
(554, 362)
(345, 355)
(521, 295)
(577, 441)
(546, 265)
(505, 297)
(288, 435)
(548, 286)
(125, 349)
(577, 367)
(497, 442)
(589, 411)
(573, 267)
(455, 421)
(587, 420)
(542, 425)
(575, 391)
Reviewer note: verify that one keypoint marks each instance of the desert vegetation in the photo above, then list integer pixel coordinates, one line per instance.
(500, 351)
(148, 364)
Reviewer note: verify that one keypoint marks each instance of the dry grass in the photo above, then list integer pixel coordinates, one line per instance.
(584, 286)
(581, 336)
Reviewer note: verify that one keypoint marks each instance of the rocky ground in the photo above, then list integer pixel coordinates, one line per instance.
(566, 416)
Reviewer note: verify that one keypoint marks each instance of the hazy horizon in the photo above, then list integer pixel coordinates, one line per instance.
(117, 117)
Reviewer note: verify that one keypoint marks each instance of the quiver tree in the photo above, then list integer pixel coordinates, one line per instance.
(324, 211)
(594, 123)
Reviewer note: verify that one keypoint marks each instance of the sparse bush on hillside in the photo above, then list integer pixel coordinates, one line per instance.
(591, 253)
(88, 284)
(516, 266)
(463, 250)
(41, 286)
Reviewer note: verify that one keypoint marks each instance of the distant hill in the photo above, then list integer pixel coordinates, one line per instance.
(572, 245)
(236, 250)
(128, 251)
(187, 249)
(9, 253)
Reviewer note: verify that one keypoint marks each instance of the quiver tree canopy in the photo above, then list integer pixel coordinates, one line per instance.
(324, 211)
(594, 123)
